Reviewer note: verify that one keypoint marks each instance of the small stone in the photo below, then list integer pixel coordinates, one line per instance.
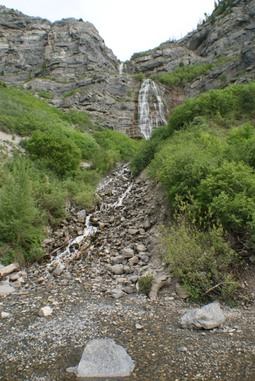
(117, 260)
(143, 257)
(127, 252)
(14, 277)
(81, 216)
(141, 248)
(138, 326)
(130, 289)
(5, 315)
(128, 270)
(117, 269)
(183, 349)
(133, 231)
(117, 293)
(45, 311)
(133, 261)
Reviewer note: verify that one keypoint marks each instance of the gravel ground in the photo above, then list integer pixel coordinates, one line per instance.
(41, 348)
(35, 348)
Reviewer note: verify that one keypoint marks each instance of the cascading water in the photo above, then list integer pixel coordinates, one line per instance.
(122, 68)
(150, 108)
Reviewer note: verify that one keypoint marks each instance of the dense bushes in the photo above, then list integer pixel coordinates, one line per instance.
(205, 161)
(201, 260)
(58, 153)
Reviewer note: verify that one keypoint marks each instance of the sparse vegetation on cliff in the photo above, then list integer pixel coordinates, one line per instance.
(183, 74)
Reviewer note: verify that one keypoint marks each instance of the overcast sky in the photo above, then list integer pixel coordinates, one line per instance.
(126, 26)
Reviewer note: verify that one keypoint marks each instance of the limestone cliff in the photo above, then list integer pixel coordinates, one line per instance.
(68, 64)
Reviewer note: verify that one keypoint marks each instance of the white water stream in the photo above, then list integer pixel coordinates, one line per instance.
(150, 108)
(113, 184)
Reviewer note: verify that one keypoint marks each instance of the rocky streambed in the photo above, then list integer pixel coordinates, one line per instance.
(89, 282)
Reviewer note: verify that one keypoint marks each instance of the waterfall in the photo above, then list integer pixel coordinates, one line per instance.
(121, 68)
(150, 108)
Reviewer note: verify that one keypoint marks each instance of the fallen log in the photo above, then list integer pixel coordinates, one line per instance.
(160, 281)
(9, 269)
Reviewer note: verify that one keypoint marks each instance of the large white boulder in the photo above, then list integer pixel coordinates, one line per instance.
(104, 358)
(206, 317)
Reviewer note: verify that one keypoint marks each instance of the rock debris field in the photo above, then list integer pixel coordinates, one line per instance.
(88, 282)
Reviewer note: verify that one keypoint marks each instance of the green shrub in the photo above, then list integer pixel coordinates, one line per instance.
(56, 151)
(227, 195)
(116, 148)
(201, 261)
(184, 160)
(241, 144)
(21, 221)
(147, 150)
(80, 120)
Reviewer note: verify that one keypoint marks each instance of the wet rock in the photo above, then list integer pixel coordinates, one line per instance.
(207, 317)
(104, 358)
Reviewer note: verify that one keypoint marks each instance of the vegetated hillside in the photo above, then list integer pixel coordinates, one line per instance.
(62, 158)
(205, 160)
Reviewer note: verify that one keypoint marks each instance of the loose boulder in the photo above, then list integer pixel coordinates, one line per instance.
(207, 317)
(104, 358)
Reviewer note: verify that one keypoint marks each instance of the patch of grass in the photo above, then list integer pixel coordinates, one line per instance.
(145, 283)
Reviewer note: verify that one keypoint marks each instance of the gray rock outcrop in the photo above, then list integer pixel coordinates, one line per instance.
(207, 317)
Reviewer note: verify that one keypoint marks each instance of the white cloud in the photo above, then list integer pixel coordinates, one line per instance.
(126, 26)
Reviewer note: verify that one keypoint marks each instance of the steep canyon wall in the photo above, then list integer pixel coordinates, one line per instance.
(68, 63)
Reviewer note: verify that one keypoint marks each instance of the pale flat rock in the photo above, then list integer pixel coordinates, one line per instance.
(104, 358)
(6, 289)
(5, 315)
(207, 317)
(45, 311)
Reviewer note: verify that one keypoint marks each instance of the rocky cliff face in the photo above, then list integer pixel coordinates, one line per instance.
(67, 63)
(226, 40)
